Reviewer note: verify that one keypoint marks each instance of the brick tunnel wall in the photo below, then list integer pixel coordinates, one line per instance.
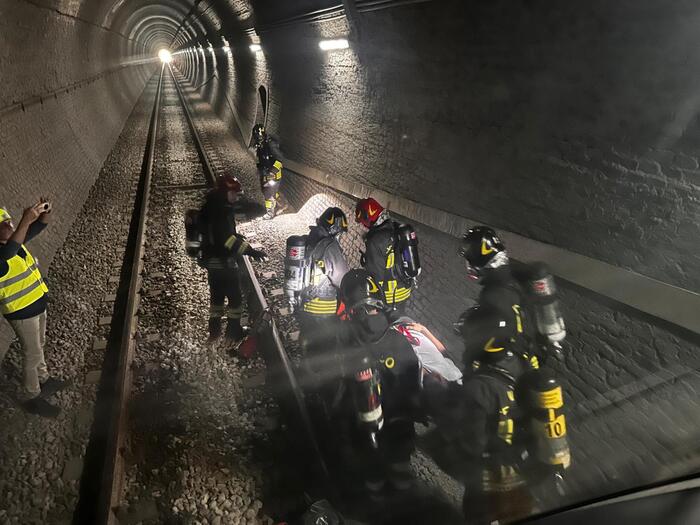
(534, 118)
(56, 144)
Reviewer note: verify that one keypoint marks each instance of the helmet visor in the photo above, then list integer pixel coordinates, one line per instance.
(368, 306)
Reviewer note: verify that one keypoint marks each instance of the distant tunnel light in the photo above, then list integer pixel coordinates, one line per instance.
(328, 45)
(255, 48)
(165, 56)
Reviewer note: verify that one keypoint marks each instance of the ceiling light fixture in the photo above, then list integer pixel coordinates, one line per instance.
(329, 45)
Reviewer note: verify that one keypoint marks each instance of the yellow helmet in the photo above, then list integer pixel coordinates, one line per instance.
(4, 215)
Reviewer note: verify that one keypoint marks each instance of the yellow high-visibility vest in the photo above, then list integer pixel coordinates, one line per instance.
(21, 285)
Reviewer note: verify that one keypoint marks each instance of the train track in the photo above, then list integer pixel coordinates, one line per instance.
(101, 487)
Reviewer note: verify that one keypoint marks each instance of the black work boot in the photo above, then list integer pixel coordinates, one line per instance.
(215, 326)
(41, 407)
(53, 385)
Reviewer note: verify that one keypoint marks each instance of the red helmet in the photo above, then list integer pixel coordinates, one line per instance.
(229, 183)
(368, 211)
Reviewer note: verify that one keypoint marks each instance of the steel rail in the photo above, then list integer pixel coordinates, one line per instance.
(265, 326)
(209, 171)
(102, 478)
(113, 472)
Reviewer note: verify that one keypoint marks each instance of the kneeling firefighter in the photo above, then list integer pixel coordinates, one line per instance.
(213, 240)
(314, 268)
(391, 253)
(382, 373)
(269, 169)
(511, 433)
(526, 292)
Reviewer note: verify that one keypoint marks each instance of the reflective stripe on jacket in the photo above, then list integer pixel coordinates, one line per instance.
(328, 266)
(22, 284)
(380, 261)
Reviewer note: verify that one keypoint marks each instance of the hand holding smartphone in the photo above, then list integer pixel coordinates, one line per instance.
(44, 206)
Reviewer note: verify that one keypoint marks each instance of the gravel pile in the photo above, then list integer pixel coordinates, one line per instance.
(41, 459)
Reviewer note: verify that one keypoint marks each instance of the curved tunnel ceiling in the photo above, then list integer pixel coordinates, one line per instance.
(179, 23)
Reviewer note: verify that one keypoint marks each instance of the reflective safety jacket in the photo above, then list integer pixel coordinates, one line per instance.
(221, 244)
(328, 267)
(22, 284)
(492, 429)
(269, 166)
(271, 174)
(395, 362)
(502, 289)
(379, 260)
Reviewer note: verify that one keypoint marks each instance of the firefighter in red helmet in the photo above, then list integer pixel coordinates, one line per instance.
(222, 247)
(383, 258)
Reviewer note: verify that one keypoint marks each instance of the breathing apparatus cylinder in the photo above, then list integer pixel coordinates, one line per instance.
(368, 400)
(193, 235)
(407, 244)
(295, 268)
(550, 323)
(547, 421)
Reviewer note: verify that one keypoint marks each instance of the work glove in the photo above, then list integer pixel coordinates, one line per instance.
(258, 255)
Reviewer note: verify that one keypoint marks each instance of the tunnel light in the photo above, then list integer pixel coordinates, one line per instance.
(255, 48)
(227, 48)
(165, 56)
(328, 45)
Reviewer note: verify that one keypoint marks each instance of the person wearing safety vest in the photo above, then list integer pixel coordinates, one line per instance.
(379, 258)
(23, 303)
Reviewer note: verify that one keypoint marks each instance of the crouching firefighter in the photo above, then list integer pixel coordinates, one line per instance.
(314, 268)
(382, 375)
(269, 169)
(391, 253)
(219, 250)
(524, 291)
(509, 434)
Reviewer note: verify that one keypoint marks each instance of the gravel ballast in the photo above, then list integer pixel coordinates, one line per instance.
(41, 459)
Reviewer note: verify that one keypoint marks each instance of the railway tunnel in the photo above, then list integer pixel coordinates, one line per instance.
(570, 129)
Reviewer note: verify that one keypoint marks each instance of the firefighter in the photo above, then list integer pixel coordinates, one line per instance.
(379, 257)
(525, 292)
(486, 439)
(318, 302)
(488, 264)
(382, 432)
(269, 169)
(221, 249)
